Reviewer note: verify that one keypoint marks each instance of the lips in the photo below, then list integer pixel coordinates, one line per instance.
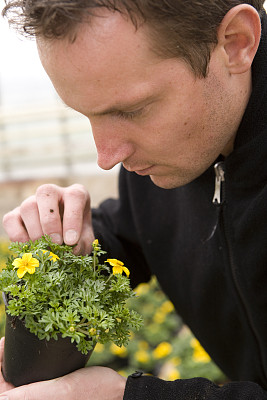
(144, 171)
(139, 171)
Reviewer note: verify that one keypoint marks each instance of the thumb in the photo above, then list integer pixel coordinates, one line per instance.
(2, 346)
(44, 390)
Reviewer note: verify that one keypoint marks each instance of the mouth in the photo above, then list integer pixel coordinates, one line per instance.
(144, 171)
(140, 170)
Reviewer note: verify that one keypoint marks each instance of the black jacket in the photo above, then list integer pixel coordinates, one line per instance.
(210, 259)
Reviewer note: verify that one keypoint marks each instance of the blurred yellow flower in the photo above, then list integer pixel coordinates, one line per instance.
(96, 245)
(162, 350)
(159, 317)
(92, 331)
(122, 373)
(143, 345)
(118, 266)
(99, 348)
(167, 307)
(173, 374)
(141, 356)
(27, 263)
(118, 351)
(142, 288)
(52, 255)
(199, 354)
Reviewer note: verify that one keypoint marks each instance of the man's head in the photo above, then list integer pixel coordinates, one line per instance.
(177, 28)
(158, 116)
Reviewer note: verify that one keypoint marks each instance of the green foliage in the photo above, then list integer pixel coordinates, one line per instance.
(163, 346)
(68, 295)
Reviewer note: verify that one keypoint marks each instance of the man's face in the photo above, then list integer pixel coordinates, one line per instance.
(151, 114)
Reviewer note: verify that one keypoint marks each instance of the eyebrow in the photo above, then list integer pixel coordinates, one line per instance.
(123, 107)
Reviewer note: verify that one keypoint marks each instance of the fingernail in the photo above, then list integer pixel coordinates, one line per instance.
(71, 237)
(56, 238)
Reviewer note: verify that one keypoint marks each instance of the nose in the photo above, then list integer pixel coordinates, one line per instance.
(112, 144)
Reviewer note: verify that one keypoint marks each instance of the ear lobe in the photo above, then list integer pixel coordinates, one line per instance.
(239, 35)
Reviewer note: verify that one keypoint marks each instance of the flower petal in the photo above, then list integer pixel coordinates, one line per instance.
(26, 258)
(114, 262)
(21, 272)
(117, 270)
(127, 272)
(17, 262)
(33, 263)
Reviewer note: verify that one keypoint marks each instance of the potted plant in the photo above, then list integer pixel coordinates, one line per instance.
(58, 306)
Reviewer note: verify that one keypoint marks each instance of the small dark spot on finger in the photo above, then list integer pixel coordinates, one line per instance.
(51, 210)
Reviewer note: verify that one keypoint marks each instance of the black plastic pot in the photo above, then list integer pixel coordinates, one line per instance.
(28, 359)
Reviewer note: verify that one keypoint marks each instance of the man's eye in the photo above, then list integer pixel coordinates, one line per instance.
(128, 114)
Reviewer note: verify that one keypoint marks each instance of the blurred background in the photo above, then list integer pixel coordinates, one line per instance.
(42, 141)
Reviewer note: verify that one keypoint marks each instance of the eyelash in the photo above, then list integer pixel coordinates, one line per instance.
(129, 115)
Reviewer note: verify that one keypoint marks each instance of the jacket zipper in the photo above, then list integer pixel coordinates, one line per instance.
(219, 200)
(218, 197)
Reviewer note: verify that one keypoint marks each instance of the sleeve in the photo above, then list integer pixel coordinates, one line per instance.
(115, 227)
(140, 387)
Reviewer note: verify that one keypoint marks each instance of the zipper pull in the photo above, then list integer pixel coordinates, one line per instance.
(219, 179)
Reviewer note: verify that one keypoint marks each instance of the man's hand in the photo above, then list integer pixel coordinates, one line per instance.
(92, 383)
(62, 213)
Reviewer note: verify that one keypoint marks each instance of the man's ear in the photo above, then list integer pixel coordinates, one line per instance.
(239, 35)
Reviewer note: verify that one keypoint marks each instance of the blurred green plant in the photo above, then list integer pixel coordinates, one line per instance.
(4, 253)
(164, 346)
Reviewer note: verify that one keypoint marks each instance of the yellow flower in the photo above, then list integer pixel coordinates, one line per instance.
(167, 307)
(141, 356)
(92, 331)
(173, 374)
(25, 264)
(118, 351)
(199, 354)
(99, 348)
(96, 245)
(159, 317)
(143, 345)
(162, 350)
(142, 289)
(122, 373)
(118, 266)
(54, 256)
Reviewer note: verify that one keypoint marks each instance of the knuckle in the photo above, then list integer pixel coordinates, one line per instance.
(28, 205)
(79, 192)
(11, 216)
(7, 218)
(47, 190)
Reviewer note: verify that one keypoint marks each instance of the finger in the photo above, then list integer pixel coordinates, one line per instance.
(30, 215)
(14, 226)
(45, 390)
(87, 237)
(76, 201)
(49, 202)
(3, 384)
(2, 346)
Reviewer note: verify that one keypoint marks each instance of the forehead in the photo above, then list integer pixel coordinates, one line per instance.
(108, 40)
(110, 59)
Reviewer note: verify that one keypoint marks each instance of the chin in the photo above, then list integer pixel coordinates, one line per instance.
(168, 182)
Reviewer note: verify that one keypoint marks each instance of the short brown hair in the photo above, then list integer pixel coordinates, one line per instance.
(178, 28)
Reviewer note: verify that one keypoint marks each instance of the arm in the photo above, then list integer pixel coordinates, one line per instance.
(152, 388)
